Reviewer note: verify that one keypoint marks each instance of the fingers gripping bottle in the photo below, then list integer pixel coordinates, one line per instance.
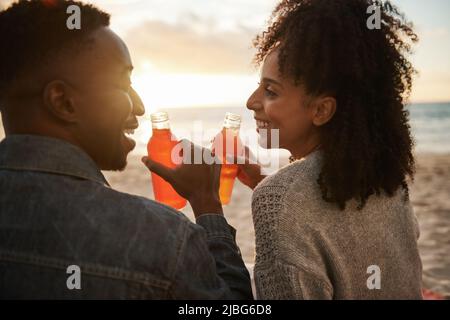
(159, 149)
(227, 142)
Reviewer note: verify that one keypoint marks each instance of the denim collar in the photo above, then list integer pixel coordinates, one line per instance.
(50, 155)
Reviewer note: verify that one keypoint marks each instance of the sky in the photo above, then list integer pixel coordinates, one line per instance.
(190, 53)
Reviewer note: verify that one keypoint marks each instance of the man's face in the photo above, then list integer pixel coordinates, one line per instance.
(106, 103)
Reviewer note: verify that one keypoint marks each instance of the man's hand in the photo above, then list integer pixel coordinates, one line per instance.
(198, 183)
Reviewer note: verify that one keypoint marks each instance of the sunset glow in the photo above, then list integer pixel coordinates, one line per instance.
(190, 53)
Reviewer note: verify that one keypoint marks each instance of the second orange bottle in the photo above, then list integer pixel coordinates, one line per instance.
(227, 142)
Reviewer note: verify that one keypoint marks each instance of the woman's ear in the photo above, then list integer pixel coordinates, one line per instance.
(324, 110)
(59, 100)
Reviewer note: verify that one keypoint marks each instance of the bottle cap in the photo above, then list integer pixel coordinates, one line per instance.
(159, 116)
(232, 121)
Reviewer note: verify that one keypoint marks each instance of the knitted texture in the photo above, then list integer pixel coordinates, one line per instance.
(306, 248)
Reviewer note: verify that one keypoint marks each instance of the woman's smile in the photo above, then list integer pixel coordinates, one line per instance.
(262, 124)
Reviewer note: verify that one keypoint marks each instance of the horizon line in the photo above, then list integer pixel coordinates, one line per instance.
(218, 106)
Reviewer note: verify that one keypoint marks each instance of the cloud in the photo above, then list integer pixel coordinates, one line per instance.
(4, 4)
(192, 46)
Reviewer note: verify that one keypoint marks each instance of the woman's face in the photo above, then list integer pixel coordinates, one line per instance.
(281, 105)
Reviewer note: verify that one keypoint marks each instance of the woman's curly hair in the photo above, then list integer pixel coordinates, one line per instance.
(327, 46)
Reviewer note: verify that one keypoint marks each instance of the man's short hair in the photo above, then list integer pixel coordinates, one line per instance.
(33, 33)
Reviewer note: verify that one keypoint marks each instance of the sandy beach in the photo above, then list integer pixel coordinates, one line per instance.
(429, 195)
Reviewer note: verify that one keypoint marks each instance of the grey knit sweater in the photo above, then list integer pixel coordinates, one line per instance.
(307, 248)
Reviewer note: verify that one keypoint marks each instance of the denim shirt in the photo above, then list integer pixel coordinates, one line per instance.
(66, 234)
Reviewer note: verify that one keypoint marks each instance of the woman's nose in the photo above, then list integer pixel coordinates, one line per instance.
(253, 102)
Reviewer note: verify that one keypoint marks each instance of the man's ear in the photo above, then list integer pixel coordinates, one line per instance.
(59, 100)
(324, 110)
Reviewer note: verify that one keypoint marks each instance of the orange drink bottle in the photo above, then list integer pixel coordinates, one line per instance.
(227, 142)
(159, 149)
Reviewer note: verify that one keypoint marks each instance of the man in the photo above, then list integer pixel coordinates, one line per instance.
(68, 107)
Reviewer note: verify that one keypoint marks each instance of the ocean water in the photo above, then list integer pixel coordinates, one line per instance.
(430, 125)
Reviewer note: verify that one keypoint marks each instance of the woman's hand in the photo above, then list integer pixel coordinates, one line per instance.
(198, 183)
(249, 170)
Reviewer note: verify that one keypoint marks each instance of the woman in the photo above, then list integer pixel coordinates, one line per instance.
(336, 223)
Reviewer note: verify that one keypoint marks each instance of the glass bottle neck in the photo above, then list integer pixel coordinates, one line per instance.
(163, 125)
(160, 121)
